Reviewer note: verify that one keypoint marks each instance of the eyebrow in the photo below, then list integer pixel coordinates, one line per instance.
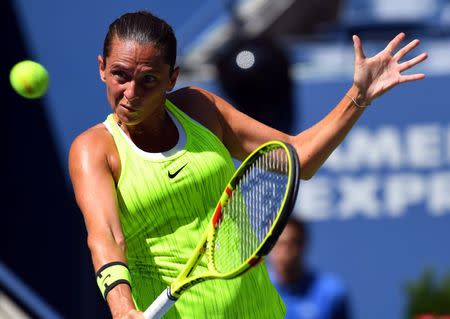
(147, 68)
(119, 65)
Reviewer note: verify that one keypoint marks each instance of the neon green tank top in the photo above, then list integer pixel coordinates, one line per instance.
(165, 201)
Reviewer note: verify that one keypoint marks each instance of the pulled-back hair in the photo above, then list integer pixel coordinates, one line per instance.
(143, 28)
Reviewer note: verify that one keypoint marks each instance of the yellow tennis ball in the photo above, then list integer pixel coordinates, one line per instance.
(29, 79)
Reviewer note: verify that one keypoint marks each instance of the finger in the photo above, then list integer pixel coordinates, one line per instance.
(359, 53)
(406, 49)
(412, 77)
(414, 61)
(395, 42)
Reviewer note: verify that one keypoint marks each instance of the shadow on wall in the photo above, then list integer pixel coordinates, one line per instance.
(41, 225)
(254, 74)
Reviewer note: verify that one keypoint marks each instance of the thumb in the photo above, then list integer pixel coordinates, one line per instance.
(359, 53)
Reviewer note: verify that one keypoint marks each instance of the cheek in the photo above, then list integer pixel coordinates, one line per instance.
(114, 92)
(286, 251)
(153, 96)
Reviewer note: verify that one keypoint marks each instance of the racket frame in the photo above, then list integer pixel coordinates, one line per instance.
(183, 281)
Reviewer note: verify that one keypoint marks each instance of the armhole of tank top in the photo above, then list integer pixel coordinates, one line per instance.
(122, 161)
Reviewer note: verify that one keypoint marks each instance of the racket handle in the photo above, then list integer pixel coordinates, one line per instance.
(160, 306)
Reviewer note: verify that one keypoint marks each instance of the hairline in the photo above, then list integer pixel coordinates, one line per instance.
(159, 47)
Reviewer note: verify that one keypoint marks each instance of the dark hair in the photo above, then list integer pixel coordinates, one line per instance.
(143, 28)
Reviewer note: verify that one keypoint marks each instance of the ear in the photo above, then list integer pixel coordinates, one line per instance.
(173, 78)
(101, 68)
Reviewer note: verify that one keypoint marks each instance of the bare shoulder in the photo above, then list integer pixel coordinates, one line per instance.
(199, 104)
(193, 94)
(94, 139)
(94, 146)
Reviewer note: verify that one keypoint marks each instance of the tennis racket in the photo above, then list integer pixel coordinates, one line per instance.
(246, 223)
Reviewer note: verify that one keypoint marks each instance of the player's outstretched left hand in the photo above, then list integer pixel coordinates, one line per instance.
(376, 75)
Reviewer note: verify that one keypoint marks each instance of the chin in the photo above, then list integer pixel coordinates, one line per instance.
(127, 119)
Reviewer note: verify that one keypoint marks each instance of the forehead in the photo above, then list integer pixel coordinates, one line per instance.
(133, 53)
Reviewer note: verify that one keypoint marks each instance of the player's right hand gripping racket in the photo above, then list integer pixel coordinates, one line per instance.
(248, 220)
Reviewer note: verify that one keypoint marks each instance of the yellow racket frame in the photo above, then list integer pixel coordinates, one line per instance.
(183, 281)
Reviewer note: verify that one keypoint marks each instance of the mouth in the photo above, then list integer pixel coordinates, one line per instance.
(128, 108)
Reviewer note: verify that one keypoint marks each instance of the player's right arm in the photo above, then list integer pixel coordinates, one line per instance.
(92, 177)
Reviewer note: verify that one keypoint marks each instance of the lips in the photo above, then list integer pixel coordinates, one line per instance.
(128, 108)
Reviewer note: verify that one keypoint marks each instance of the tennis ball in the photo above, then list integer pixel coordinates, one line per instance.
(29, 79)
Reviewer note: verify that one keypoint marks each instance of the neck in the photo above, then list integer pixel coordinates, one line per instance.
(290, 275)
(157, 134)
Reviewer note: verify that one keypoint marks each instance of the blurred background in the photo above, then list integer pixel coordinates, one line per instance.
(379, 210)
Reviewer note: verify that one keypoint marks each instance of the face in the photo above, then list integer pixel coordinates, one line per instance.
(289, 249)
(137, 79)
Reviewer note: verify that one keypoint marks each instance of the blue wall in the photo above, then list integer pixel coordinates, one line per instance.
(375, 244)
(384, 220)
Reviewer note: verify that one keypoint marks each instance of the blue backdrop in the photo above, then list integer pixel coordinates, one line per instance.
(379, 208)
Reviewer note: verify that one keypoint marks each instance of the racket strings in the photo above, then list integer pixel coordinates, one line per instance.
(251, 210)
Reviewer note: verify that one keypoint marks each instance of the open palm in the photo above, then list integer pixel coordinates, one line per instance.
(376, 75)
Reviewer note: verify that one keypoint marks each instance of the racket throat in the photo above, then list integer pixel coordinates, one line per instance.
(170, 296)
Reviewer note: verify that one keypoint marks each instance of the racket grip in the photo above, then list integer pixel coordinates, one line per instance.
(160, 306)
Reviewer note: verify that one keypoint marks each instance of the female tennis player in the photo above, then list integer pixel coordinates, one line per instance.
(147, 178)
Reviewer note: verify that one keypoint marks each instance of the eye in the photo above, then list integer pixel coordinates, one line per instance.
(149, 79)
(119, 75)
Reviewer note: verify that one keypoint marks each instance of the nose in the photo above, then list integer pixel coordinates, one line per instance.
(131, 91)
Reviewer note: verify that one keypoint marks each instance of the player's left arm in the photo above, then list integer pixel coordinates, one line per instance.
(373, 77)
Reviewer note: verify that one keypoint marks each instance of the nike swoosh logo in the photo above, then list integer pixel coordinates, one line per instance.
(176, 173)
